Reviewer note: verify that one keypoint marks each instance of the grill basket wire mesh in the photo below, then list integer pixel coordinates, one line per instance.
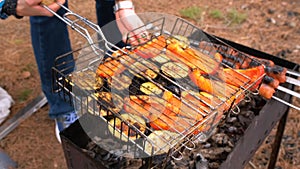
(82, 93)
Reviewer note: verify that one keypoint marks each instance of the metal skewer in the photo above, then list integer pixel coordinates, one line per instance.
(293, 81)
(286, 103)
(288, 91)
(291, 72)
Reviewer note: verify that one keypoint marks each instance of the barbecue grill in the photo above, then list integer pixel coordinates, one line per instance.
(88, 93)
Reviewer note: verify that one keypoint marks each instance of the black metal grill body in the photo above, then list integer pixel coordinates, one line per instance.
(268, 117)
(74, 138)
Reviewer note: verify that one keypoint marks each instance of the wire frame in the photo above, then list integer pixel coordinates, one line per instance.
(125, 74)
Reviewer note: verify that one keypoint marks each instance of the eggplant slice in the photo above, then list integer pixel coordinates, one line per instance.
(144, 68)
(175, 69)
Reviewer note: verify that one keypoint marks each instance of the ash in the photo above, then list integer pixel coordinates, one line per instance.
(206, 155)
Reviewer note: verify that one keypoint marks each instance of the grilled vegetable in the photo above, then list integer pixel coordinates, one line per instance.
(185, 107)
(111, 66)
(144, 105)
(151, 48)
(160, 142)
(110, 101)
(117, 63)
(184, 41)
(212, 86)
(243, 77)
(193, 58)
(181, 124)
(144, 68)
(172, 123)
(175, 69)
(252, 61)
(150, 89)
(86, 80)
(121, 130)
(223, 103)
(161, 58)
(266, 91)
(271, 81)
(119, 82)
(277, 72)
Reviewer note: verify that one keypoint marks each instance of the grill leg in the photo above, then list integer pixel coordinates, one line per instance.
(277, 142)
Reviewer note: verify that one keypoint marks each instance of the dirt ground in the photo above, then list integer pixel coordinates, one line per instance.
(269, 26)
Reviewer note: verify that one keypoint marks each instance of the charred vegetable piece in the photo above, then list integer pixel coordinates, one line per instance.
(243, 77)
(174, 89)
(161, 141)
(161, 58)
(266, 91)
(109, 68)
(86, 80)
(277, 72)
(175, 69)
(110, 101)
(144, 68)
(193, 58)
(172, 123)
(151, 48)
(119, 82)
(190, 108)
(212, 86)
(114, 66)
(136, 124)
(150, 88)
(144, 105)
(271, 81)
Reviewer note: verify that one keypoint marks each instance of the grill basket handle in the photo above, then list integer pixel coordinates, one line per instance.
(74, 20)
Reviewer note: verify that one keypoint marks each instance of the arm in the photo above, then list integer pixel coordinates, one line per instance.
(127, 20)
(27, 8)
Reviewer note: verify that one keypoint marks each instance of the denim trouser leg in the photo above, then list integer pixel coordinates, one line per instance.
(50, 39)
(106, 21)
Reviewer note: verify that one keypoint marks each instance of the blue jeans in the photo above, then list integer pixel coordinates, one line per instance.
(50, 39)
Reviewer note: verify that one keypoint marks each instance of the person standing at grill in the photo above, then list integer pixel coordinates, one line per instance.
(50, 39)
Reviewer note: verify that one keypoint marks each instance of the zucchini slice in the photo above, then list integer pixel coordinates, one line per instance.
(175, 69)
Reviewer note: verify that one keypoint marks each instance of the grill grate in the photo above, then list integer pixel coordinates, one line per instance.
(107, 98)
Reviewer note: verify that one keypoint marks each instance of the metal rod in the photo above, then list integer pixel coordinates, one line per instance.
(291, 72)
(252, 165)
(286, 103)
(293, 81)
(24, 113)
(288, 91)
(78, 28)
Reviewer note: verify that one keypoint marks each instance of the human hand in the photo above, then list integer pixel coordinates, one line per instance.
(34, 8)
(127, 21)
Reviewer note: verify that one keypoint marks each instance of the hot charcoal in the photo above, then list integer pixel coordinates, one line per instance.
(208, 154)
